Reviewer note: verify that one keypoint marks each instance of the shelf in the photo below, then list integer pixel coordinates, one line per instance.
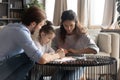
(10, 19)
(3, 2)
(14, 18)
(16, 8)
(110, 30)
(11, 10)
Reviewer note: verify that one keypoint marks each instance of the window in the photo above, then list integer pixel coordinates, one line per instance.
(72, 5)
(49, 8)
(96, 10)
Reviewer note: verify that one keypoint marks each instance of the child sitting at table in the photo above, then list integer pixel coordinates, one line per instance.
(46, 34)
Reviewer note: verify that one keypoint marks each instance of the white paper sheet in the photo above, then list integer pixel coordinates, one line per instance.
(65, 59)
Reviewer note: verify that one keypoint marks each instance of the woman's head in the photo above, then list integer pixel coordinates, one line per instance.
(70, 25)
(46, 33)
(68, 21)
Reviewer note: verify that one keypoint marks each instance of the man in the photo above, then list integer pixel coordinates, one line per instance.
(17, 50)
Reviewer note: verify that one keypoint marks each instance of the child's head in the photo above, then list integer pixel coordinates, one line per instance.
(46, 33)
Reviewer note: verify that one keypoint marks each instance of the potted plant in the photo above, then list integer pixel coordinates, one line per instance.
(118, 9)
(35, 3)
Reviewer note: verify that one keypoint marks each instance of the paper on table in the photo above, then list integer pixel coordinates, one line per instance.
(84, 57)
(65, 59)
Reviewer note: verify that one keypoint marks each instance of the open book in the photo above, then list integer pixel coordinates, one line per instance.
(65, 59)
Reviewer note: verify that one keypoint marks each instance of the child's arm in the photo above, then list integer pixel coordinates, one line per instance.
(50, 57)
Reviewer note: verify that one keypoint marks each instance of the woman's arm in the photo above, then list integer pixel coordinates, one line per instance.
(82, 51)
(86, 46)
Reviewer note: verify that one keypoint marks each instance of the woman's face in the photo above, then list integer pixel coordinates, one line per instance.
(69, 26)
(46, 38)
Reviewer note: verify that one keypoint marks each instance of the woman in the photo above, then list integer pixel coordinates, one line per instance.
(73, 38)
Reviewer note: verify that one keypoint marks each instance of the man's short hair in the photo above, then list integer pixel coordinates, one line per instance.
(33, 14)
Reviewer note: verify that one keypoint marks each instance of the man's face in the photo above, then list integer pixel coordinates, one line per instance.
(37, 26)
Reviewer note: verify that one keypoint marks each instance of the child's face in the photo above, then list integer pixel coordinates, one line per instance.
(46, 38)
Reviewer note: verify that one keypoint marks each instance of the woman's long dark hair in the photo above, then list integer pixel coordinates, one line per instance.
(78, 30)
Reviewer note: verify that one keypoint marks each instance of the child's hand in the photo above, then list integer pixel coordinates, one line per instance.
(65, 51)
(61, 53)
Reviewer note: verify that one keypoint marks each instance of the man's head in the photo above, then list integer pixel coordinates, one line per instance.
(34, 18)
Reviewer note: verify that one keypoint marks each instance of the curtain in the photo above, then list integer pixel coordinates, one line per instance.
(109, 13)
(83, 12)
(60, 6)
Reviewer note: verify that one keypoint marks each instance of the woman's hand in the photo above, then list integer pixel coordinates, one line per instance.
(73, 51)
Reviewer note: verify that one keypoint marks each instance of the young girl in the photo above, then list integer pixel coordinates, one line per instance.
(43, 41)
(46, 34)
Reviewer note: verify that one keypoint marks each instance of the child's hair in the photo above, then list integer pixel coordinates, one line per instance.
(47, 28)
